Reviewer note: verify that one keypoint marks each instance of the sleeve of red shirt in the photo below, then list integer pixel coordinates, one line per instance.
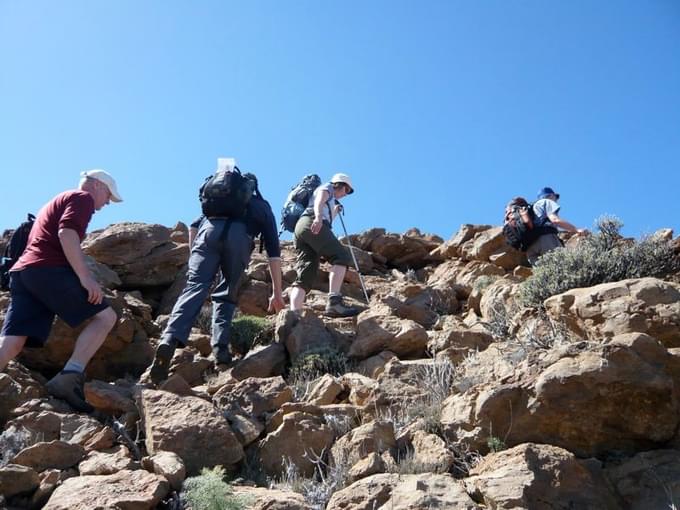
(77, 213)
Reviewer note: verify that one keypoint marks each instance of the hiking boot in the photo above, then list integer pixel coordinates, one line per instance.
(222, 355)
(337, 308)
(161, 363)
(68, 386)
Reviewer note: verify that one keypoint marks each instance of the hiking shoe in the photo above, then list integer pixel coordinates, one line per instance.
(222, 355)
(337, 308)
(68, 386)
(161, 363)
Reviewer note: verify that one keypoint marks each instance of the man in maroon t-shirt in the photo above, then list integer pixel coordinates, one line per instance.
(52, 278)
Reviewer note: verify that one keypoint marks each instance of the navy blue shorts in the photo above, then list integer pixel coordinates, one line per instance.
(38, 294)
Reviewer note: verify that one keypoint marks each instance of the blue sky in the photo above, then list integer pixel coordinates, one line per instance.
(440, 111)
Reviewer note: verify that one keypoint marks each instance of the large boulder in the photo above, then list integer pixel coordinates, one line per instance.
(645, 305)
(189, 426)
(576, 402)
(540, 476)
(132, 490)
(142, 255)
(404, 492)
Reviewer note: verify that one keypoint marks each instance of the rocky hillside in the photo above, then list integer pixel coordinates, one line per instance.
(446, 392)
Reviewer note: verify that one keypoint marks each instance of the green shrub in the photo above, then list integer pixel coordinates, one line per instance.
(495, 444)
(599, 258)
(249, 330)
(317, 361)
(209, 491)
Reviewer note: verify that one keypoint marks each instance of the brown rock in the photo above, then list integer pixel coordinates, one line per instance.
(268, 361)
(361, 388)
(325, 390)
(55, 454)
(109, 398)
(376, 333)
(142, 255)
(17, 386)
(247, 429)
(254, 396)
(106, 462)
(645, 305)
(259, 498)
(177, 385)
(190, 427)
(483, 244)
(576, 402)
(430, 452)
(373, 366)
(132, 490)
(370, 465)
(300, 439)
(16, 479)
(404, 492)
(461, 338)
(168, 465)
(648, 480)
(374, 437)
(300, 333)
(540, 476)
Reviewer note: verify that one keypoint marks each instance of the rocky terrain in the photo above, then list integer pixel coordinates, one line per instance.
(444, 393)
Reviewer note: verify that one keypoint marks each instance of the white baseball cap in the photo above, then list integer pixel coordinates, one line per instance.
(106, 178)
(344, 179)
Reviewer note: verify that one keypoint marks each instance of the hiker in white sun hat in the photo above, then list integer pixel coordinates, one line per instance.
(314, 238)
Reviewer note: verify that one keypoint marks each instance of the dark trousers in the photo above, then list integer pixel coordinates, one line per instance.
(220, 245)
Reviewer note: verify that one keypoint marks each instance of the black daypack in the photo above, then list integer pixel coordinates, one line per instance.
(226, 194)
(521, 227)
(297, 201)
(15, 247)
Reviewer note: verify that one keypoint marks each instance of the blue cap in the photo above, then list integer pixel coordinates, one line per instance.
(544, 192)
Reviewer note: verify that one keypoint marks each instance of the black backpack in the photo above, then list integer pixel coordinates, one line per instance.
(226, 194)
(15, 247)
(521, 227)
(298, 201)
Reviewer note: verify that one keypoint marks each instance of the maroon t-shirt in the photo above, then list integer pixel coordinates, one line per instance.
(70, 209)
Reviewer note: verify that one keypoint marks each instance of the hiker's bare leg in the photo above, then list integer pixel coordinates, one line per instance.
(335, 278)
(10, 347)
(297, 298)
(93, 336)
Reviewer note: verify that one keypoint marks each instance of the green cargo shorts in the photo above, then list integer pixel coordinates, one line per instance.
(310, 248)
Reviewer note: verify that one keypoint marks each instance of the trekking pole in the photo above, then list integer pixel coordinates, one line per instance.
(354, 258)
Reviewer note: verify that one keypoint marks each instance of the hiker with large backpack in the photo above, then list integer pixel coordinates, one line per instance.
(533, 228)
(51, 278)
(314, 239)
(234, 213)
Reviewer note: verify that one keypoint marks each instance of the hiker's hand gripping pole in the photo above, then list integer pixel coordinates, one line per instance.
(354, 258)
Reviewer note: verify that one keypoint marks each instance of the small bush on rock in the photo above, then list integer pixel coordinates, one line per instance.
(317, 361)
(599, 258)
(209, 491)
(248, 331)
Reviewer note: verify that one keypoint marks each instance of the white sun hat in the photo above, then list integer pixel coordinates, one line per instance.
(106, 178)
(344, 179)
